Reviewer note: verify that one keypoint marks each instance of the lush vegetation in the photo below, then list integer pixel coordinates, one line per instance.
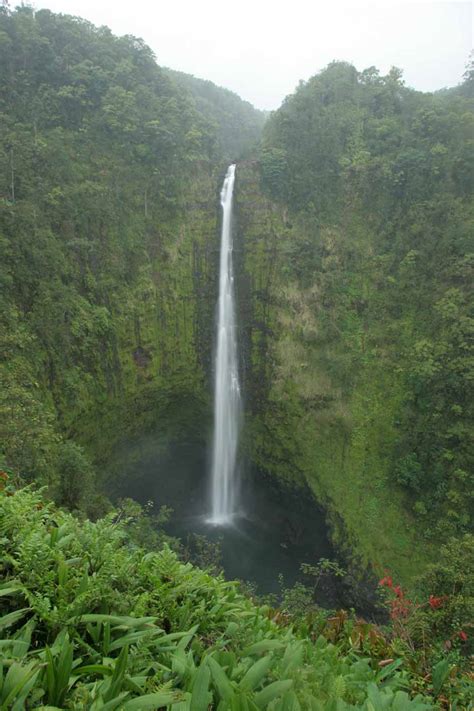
(362, 336)
(91, 620)
(239, 125)
(354, 280)
(108, 175)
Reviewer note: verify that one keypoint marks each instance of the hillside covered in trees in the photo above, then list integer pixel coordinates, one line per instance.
(367, 319)
(239, 124)
(108, 196)
(354, 256)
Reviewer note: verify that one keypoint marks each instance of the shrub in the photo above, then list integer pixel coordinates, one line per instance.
(90, 620)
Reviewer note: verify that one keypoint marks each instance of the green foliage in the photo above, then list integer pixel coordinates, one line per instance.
(298, 600)
(273, 164)
(238, 124)
(450, 582)
(359, 256)
(359, 335)
(76, 482)
(204, 553)
(90, 620)
(108, 168)
(433, 631)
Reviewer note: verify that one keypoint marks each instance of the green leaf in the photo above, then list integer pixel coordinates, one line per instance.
(200, 695)
(93, 669)
(6, 643)
(231, 629)
(293, 657)
(389, 669)
(115, 620)
(221, 682)
(265, 645)
(23, 637)
(118, 675)
(17, 684)
(272, 691)
(440, 674)
(185, 637)
(256, 673)
(64, 668)
(132, 638)
(183, 705)
(151, 701)
(13, 617)
(8, 589)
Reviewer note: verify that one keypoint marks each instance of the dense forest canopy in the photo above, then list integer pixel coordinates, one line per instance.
(239, 124)
(382, 177)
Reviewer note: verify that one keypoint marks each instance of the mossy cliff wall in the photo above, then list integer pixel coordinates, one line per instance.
(319, 409)
(160, 353)
(116, 343)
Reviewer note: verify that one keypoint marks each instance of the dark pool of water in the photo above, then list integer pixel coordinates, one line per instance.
(277, 529)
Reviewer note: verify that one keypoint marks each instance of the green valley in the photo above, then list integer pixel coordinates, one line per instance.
(350, 258)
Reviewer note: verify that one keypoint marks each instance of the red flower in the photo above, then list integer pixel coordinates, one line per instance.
(400, 607)
(435, 602)
(398, 591)
(462, 635)
(387, 580)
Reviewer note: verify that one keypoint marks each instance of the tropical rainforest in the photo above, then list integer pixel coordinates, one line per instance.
(354, 250)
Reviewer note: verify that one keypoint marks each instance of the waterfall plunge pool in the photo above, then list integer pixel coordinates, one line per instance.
(280, 529)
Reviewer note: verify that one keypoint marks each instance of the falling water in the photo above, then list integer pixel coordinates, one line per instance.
(227, 389)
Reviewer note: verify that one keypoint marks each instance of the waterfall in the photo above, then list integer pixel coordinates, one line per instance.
(227, 403)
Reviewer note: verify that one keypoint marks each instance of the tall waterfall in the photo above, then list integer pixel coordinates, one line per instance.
(227, 403)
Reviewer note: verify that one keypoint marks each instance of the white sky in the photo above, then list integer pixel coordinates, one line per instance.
(262, 48)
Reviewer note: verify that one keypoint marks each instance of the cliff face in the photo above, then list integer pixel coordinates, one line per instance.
(161, 337)
(320, 409)
(116, 344)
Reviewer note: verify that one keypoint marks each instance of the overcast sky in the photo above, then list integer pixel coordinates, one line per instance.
(262, 48)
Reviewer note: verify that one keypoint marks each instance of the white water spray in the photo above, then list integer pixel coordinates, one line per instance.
(227, 402)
